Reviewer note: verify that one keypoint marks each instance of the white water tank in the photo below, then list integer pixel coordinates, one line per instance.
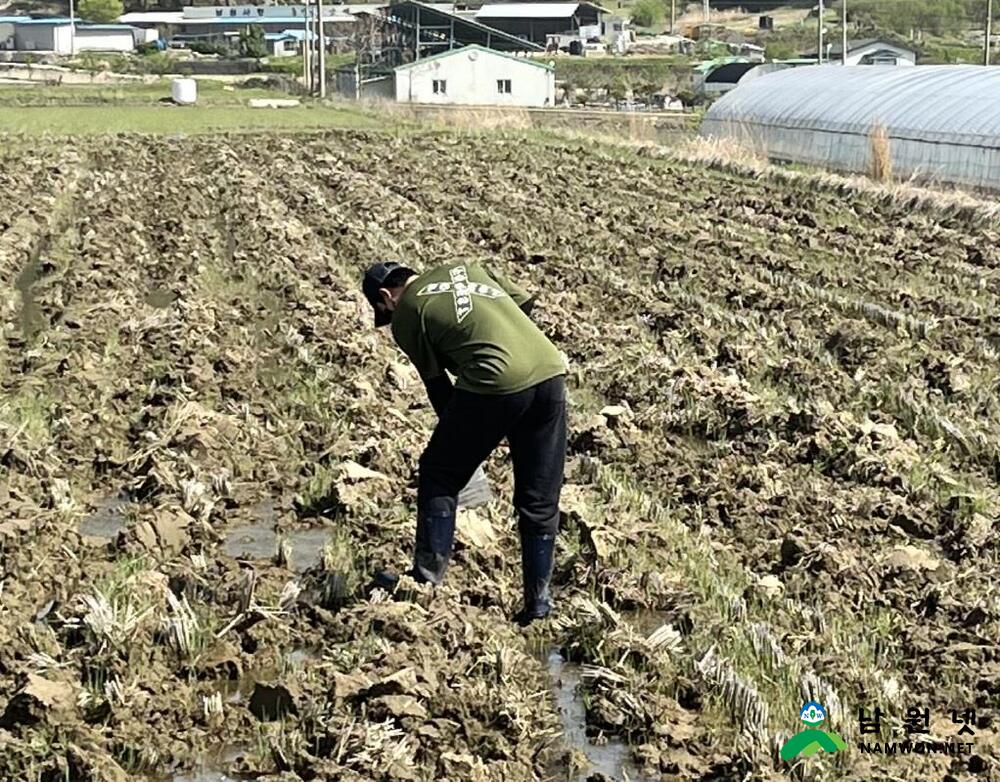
(184, 91)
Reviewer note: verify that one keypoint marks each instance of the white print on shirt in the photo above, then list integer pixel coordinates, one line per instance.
(461, 290)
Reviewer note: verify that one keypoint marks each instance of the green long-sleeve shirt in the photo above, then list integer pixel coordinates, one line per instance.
(466, 319)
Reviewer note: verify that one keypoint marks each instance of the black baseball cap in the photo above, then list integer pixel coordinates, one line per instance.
(375, 277)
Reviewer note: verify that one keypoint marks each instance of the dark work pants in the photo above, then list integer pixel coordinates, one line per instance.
(473, 425)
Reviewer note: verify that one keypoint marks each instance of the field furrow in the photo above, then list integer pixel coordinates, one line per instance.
(781, 484)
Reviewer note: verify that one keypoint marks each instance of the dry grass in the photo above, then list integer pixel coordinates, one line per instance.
(474, 119)
(936, 199)
(723, 151)
(881, 159)
(640, 129)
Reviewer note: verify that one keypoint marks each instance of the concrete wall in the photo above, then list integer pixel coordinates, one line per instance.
(377, 88)
(383, 89)
(104, 40)
(470, 78)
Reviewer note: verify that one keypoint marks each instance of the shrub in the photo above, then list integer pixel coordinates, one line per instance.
(252, 42)
(101, 10)
(646, 13)
(211, 47)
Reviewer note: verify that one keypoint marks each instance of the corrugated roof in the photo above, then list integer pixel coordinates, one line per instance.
(300, 20)
(84, 27)
(932, 102)
(288, 35)
(710, 65)
(466, 30)
(152, 17)
(81, 25)
(533, 10)
(861, 43)
(299, 34)
(527, 10)
(477, 47)
(54, 21)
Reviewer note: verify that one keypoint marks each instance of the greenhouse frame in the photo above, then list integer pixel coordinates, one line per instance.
(942, 121)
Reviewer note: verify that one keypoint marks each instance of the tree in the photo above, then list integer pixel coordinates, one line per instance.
(102, 11)
(252, 42)
(780, 50)
(646, 13)
(902, 16)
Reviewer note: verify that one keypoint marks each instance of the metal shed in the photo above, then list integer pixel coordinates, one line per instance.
(536, 21)
(7, 30)
(409, 31)
(942, 121)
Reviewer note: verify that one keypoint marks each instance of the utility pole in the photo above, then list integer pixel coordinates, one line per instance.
(322, 50)
(819, 35)
(673, 14)
(315, 54)
(705, 11)
(306, 52)
(989, 32)
(72, 29)
(843, 32)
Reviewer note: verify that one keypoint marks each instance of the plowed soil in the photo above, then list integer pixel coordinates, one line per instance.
(782, 480)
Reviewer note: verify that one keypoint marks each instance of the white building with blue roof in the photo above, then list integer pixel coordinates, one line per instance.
(61, 35)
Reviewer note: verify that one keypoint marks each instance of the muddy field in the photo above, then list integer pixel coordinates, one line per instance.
(784, 453)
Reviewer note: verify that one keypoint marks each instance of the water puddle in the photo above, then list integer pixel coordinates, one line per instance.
(240, 690)
(206, 774)
(613, 759)
(109, 518)
(646, 620)
(252, 541)
(260, 541)
(212, 767)
(236, 690)
(160, 298)
(299, 657)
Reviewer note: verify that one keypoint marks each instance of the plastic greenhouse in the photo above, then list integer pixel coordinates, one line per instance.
(942, 121)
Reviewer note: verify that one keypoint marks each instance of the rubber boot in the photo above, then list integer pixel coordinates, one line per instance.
(536, 568)
(435, 538)
(384, 579)
(431, 555)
